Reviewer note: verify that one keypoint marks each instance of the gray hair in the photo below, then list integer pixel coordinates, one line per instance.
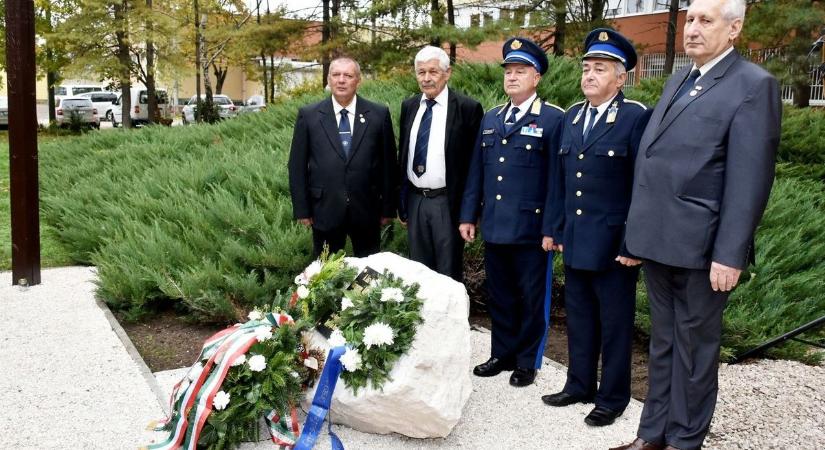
(429, 52)
(733, 9)
(619, 68)
(347, 58)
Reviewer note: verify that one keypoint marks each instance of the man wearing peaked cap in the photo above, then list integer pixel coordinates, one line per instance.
(591, 191)
(507, 189)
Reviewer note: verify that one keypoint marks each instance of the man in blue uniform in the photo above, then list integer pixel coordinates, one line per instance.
(507, 187)
(592, 183)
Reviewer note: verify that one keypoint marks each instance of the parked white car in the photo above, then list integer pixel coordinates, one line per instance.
(256, 103)
(140, 107)
(4, 112)
(226, 110)
(80, 107)
(74, 90)
(103, 102)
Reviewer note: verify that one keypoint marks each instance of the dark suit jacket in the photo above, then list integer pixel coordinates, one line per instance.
(325, 184)
(463, 119)
(592, 182)
(705, 169)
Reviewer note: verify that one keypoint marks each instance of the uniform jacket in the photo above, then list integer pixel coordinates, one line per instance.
(463, 118)
(507, 184)
(325, 184)
(706, 167)
(592, 183)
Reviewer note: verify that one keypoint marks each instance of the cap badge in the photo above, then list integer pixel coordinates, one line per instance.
(603, 36)
(515, 45)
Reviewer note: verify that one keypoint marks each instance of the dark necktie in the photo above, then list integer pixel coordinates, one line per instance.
(593, 111)
(690, 81)
(344, 132)
(511, 120)
(423, 139)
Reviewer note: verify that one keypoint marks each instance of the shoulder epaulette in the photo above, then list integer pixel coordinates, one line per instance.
(497, 106)
(554, 106)
(576, 104)
(634, 102)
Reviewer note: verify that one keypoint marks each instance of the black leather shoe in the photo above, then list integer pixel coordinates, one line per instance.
(522, 377)
(564, 399)
(601, 416)
(492, 367)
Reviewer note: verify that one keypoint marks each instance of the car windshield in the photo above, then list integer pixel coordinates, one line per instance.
(161, 97)
(108, 98)
(76, 103)
(81, 90)
(221, 100)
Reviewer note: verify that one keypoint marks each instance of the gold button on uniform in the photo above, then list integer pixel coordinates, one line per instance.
(504, 141)
(578, 193)
(500, 178)
(581, 155)
(498, 197)
(501, 159)
(528, 146)
(578, 212)
(578, 174)
(610, 153)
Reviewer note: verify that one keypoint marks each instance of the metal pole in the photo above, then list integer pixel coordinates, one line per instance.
(778, 340)
(25, 212)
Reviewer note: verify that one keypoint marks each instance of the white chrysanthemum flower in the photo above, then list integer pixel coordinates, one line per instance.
(255, 315)
(336, 339)
(239, 360)
(377, 334)
(263, 333)
(392, 294)
(346, 302)
(295, 374)
(257, 363)
(351, 360)
(301, 280)
(195, 371)
(220, 401)
(313, 269)
(303, 292)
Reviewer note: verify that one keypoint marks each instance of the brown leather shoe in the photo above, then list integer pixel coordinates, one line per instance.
(639, 444)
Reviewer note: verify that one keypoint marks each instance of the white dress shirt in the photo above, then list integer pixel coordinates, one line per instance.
(350, 112)
(435, 176)
(522, 108)
(600, 109)
(709, 65)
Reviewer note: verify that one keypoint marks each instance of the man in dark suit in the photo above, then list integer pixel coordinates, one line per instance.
(592, 185)
(436, 130)
(507, 187)
(342, 167)
(703, 176)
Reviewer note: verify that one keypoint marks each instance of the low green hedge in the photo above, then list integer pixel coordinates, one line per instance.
(200, 218)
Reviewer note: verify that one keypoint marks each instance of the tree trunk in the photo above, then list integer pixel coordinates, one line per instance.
(51, 75)
(437, 21)
(326, 30)
(670, 42)
(197, 12)
(560, 19)
(451, 21)
(150, 68)
(265, 82)
(220, 77)
(125, 60)
(801, 94)
(597, 10)
(271, 79)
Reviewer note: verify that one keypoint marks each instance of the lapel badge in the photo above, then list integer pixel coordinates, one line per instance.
(535, 109)
(515, 45)
(578, 115)
(693, 93)
(603, 36)
(698, 88)
(611, 113)
(362, 120)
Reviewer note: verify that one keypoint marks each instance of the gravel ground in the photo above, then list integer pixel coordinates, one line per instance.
(67, 381)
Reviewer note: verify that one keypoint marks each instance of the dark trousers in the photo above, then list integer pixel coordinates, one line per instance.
(365, 239)
(685, 334)
(600, 308)
(519, 311)
(433, 236)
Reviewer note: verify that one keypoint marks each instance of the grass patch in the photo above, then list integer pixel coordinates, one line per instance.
(52, 252)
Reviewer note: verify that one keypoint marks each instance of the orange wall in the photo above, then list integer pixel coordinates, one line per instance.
(648, 31)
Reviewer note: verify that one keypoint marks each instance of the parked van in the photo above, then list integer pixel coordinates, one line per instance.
(140, 107)
(73, 90)
(103, 102)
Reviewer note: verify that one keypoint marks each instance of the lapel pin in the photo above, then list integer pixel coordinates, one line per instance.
(693, 93)
(611, 113)
(362, 118)
(579, 115)
(698, 88)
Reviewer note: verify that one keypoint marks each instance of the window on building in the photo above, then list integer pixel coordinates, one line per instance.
(475, 20)
(488, 19)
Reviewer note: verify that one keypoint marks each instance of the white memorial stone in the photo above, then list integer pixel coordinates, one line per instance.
(431, 383)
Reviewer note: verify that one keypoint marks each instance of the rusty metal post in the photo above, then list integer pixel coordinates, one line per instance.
(25, 207)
